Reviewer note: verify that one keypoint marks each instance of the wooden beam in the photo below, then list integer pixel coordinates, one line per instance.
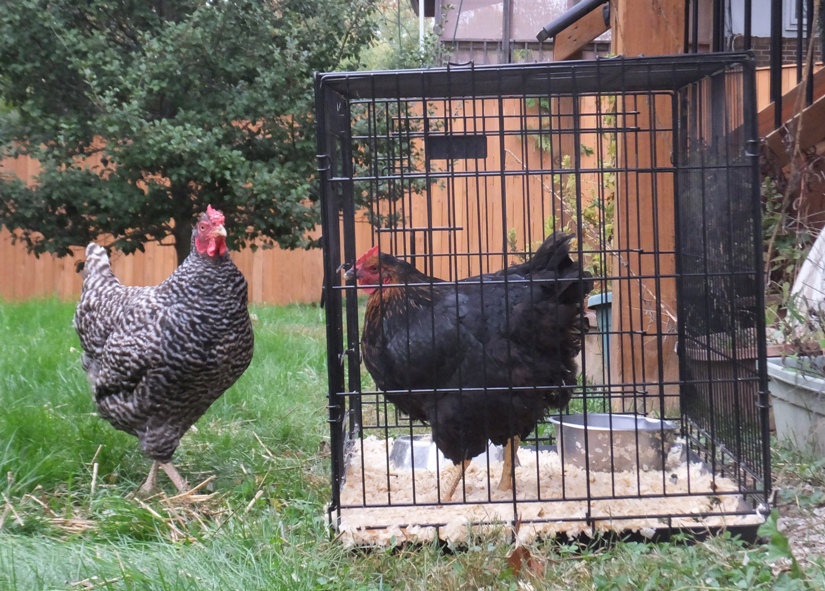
(644, 28)
(572, 39)
(811, 126)
(765, 119)
(644, 305)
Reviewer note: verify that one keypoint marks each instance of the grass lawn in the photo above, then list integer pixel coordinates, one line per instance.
(68, 520)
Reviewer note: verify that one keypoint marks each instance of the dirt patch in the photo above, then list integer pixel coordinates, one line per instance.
(801, 508)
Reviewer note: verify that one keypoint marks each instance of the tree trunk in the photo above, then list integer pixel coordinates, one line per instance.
(183, 237)
(182, 220)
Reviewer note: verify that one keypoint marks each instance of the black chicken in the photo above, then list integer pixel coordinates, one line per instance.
(157, 357)
(498, 349)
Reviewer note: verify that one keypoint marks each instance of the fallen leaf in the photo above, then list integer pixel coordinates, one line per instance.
(520, 560)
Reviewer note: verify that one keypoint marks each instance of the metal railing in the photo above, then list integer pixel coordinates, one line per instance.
(786, 46)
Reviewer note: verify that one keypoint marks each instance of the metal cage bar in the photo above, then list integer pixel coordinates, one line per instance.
(463, 172)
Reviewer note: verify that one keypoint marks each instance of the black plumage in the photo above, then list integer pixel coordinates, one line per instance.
(498, 349)
(157, 357)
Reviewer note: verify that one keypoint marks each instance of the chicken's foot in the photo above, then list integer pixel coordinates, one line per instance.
(510, 462)
(175, 477)
(150, 486)
(457, 471)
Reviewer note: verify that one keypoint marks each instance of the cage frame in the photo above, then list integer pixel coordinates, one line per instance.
(334, 91)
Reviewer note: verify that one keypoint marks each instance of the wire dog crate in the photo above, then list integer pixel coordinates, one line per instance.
(650, 164)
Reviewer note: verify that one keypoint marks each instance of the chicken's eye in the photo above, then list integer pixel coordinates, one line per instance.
(201, 227)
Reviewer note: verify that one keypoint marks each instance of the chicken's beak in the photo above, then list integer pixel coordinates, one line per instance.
(220, 231)
(352, 273)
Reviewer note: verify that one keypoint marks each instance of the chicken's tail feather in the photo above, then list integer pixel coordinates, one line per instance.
(97, 261)
(553, 259)
(553, 254)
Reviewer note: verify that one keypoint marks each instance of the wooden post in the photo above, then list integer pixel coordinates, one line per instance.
(644, 296)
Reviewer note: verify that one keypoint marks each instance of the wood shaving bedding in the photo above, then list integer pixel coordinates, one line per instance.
(410, 505)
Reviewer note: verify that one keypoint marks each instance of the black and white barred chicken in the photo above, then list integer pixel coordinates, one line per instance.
(157, 357)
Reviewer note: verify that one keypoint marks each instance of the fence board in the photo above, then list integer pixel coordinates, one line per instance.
(275, 276)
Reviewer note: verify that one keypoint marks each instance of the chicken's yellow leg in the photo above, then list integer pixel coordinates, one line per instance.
(148, 487)
(510, 461)
(457, 471)
(175, 477)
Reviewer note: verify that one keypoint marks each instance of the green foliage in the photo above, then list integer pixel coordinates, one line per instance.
(184, 104)
(397, 45)
(387, 153)
(513, 245)
(800, 466)
(787, 242)
(387, 144)
(803, 329)
(778, 546)
(591, 219)
(793, 321)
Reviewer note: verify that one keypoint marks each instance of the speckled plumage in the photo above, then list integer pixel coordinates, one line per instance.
(157, 357)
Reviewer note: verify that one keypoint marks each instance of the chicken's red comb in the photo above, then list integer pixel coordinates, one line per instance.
(215, 216)
(372, 252)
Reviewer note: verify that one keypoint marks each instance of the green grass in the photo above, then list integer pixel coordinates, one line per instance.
(263, 527)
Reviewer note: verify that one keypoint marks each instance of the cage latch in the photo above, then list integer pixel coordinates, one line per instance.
(763, 400)
(323, 162)
(342, 357)
(336, 414)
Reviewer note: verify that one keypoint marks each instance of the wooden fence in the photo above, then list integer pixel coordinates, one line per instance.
(275, 276)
